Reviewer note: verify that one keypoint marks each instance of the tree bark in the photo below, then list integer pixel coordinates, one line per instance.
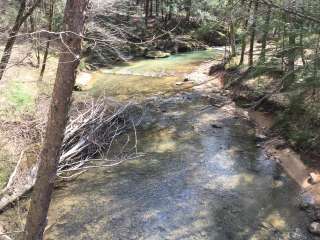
(74, 18)
(265, 35)
(146, 11)
(20, 19)
(35, 42)
(302, 48)
(291, 44)
(232, 34)
(46, 52)
(188, 6)
(244, 36)
(157, 8)
(253, 31)
(233, 39)
(151, 8)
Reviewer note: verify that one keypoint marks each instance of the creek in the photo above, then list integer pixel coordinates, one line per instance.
(202, 174)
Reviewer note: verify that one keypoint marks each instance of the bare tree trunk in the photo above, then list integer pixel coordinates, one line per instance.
(170, 10)
(151, 8)
(291, 45)
(302, 48)
(188, 6)
(157, 8)
(253, 31)
(265, 35)
(35, 41)
(292, 50)
(315, 67)
(301, 41)
(74, 18)
(46, 52)
(162, 10)
(146, 11)
(232, 39)
(20, 19)
(283, 45)
(244, 36)
(232, 34)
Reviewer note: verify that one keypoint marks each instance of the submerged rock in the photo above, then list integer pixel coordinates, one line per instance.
(307, 201)
(196, 77)
(216, 125)
(157, 54)
(261, 137)
(314, 228)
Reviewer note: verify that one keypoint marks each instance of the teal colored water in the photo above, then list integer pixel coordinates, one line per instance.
(147, 77)
(175, 64)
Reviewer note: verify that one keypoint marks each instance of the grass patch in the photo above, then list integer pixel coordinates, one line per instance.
(6, 167)
(19, 96)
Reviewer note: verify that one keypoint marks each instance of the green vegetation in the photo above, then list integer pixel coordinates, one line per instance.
(20, 96)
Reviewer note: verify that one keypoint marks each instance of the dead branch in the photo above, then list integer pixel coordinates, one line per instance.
(101, 133)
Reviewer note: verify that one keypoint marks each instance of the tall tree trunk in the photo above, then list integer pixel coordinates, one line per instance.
(170, 10)
(74, 18)
(292, 50)
(244, 36)
(22, 16)
(232, 39)
(46, 52)
(151, 8)
(35, 41)
(301, 45)
(316, 65)
(157, 7)
(188, 9)
(146, 12)
(162, 10)
(283, 45)
(253, 31)
(302, 48)
(232, 34)
(291, 43)
(265, 35)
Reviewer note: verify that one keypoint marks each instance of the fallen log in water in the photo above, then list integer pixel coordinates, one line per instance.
(93, 130)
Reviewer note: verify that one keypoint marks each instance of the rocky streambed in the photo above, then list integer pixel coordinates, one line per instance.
(202, 173)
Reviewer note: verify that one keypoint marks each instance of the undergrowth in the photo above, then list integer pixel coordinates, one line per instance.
(299, 120)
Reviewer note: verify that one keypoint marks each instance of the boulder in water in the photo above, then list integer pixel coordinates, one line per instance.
(157, 54)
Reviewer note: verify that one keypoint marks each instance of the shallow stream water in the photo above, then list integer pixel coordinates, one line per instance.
(202, 175)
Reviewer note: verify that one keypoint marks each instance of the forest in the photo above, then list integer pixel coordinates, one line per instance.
(159, 119)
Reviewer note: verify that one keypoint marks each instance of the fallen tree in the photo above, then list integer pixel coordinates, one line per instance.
(94, 133)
